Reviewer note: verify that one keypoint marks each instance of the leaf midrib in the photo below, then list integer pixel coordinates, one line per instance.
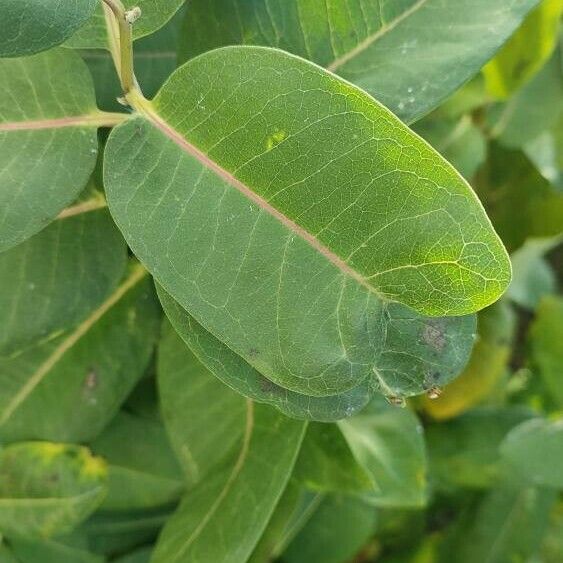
(368, 41)
(146, 109)
(42, 371)
(96, 119)
(237, 468)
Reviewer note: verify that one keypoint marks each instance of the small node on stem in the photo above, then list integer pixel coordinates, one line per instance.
(121, 100)
(434, 393)
(132, 15)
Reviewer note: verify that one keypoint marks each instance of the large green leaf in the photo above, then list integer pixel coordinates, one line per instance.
(142, 469)
(50, 550)
(30, 26)
(47, 488)
(409, 54)
(48, 143)
(388, 442)
(154, 14)
(535, 450)
(313, 229)
(223, 517)
(54, 279)
(78, 380)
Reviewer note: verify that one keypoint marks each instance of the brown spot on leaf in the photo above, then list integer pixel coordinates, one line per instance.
(433, 334)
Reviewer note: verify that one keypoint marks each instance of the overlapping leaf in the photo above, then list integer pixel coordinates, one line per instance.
(409, 54)
(47, 488)
(30, 26)
(79, 379)
(322, 206)
(54, 279)
(48, 143)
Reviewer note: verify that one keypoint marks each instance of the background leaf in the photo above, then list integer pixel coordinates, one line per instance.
(54, 279)
(48, 142)
(47, 488)
(30, 26)
(79, 379)
(409, 54)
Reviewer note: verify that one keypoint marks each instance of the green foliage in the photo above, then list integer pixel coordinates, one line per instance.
(236, 237)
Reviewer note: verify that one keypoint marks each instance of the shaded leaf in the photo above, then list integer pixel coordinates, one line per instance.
(487, 364)
(142, 470)
(526, 51)
(30, 26)
(464, 452)
(507, 525)
(409, 54)
(388, 442)
(535, 450)
(326, 462)
(532, 110)
(239, 375)
(51, 551)
(520, 202)
(223, 517)
(142, 555)
(48, 142)
(154, 14)
(431, 248)
(79, 379)
(48, 488)
(54, 279)
(546, 335)
(532, 276)
(334, 534)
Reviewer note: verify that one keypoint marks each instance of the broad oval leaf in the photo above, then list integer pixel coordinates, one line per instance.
(321, 204)
(48, 488)
(54, 279)
(79, 379)
(409, 54)
(48, 141)
(154, 14)
(30, 26)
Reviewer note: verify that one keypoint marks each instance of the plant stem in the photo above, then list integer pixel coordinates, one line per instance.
(125, 70)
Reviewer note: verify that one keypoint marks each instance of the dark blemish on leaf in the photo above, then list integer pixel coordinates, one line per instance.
(253, 353)
(433, 334)
(430, 379)
(397, 401)
(267, 386)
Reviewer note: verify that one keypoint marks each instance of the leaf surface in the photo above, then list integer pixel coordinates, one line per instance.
(223, 517)
(142, 469)
(30, 26)
(388, 442)
(409, 54)
(54, 279)
(79, 379)
(287, 282)
(48, 142)
(535, 450)
(48, 488)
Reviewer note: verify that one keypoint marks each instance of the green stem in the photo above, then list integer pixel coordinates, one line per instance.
(125, 70)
